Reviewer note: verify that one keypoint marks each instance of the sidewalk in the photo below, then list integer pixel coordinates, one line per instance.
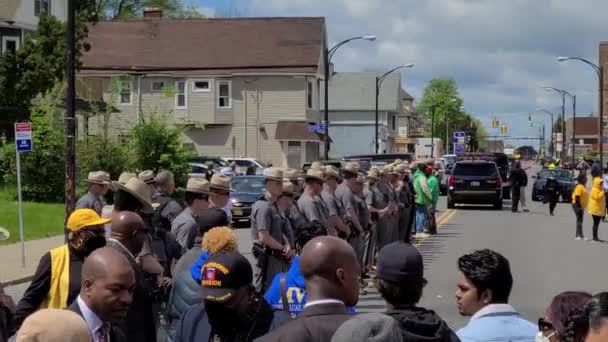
(11, 271)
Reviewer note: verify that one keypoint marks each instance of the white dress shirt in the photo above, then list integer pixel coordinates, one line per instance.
(93, 321)
(323, 301)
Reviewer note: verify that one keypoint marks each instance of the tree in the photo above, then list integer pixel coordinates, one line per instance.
(440, 100)
(156, 146)
(557, 125)
(129, 9)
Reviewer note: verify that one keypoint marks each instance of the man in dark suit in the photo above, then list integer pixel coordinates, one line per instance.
(106, 293)
(128, 236)
(331, 271)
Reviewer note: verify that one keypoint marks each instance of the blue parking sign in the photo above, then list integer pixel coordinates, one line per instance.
(23, 137)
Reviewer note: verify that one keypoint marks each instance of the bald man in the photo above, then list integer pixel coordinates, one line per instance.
(106, 293)
(128, 236)
(331, 271)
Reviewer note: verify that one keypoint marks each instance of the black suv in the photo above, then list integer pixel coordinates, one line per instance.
(475, 182)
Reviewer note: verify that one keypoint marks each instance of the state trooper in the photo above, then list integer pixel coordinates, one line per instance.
(336, 213)
(380, 202)
(270, 232)
(310, 204)
(98, 186)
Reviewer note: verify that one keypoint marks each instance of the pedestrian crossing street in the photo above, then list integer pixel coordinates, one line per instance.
(372, 301)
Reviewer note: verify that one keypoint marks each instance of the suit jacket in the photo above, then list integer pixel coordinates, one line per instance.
(116, 334)
(316, 323)
(139, 325)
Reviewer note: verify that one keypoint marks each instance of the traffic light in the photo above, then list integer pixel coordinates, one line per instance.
(530, 120)
(503, 129)
(495, 123)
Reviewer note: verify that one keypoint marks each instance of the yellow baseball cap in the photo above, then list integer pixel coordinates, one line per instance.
(83, 218)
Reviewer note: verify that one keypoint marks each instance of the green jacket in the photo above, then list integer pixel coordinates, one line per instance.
(423, 193)
(434, 187)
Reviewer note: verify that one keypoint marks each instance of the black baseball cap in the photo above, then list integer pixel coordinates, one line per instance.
(211, 218)
(223, 274)
(399, 262)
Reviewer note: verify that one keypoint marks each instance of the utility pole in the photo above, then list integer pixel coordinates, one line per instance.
(70, 129)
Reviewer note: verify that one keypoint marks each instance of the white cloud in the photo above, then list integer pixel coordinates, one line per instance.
(499, 51)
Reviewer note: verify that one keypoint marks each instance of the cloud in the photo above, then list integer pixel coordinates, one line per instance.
(499, 52)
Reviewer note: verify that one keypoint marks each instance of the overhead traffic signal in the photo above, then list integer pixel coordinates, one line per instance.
(530, 120)
(495, 123)
(503, 129)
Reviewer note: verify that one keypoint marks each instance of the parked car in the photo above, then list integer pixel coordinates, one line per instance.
(475, 182)
(381, 159)
(243, 163)
(445, 166)
(563, 177)
(217, 161)
(198, 170)
(245, 190)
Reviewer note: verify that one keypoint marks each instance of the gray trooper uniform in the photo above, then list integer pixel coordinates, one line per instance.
(266, 216)
(347, 200)
(185, 229)
(90, 201)
(313, 209)
(379, 197)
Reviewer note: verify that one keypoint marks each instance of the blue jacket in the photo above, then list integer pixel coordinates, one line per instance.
(186, 293)
(296, 291)
(498, 322)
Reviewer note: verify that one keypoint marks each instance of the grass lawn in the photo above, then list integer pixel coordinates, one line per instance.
(40, 220)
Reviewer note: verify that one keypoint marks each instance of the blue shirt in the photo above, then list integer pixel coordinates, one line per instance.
(295, 290)
(498, 322)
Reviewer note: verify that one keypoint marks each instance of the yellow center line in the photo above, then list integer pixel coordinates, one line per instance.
(441, 220)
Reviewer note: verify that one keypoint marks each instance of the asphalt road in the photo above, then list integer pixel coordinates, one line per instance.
(545, 258)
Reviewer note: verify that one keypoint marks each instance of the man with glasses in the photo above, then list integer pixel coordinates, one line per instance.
(47, 290)
(129, 233)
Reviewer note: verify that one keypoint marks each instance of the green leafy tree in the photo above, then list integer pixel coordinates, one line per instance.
(130, 9)
(42, 169)
(440, 100)
(157, 145)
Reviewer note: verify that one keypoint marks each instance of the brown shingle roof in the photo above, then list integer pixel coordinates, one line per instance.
(206, 44)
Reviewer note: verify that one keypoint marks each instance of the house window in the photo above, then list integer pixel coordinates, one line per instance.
(10, 44)
(126, 92)
(309, 94)
(394, 122)
(200, 86)
(181, 100)
(224, 93)
(157, 86)
(41, 6)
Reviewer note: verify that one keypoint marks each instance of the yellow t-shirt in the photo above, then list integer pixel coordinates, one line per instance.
(580, 191)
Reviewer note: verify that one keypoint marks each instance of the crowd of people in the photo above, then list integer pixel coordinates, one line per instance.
(148, 268)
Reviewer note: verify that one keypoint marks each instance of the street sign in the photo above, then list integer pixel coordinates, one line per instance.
(458, 134)
(459, 149)
(23, 143)
(23, 136)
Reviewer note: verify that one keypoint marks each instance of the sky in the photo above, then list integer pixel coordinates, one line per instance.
(500, 52)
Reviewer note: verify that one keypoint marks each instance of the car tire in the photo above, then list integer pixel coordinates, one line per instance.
(451, 204)
(498, 205)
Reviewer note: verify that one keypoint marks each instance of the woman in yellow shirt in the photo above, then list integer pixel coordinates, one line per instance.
(579, 202)
(597, 205)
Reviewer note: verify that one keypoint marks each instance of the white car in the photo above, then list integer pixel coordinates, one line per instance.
(243, 163)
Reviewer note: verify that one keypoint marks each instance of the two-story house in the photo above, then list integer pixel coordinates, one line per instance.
(19, 19)
(352, 114)
(240, 86)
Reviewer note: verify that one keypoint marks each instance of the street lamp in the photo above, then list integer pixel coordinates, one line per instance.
(379, 81)
(551, 135)
(563, 93)
(599, 70)
(327, 55)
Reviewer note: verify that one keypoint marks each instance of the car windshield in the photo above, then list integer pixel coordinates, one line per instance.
(480, 169)
(557, 174)
(253, 185)
(264, 165)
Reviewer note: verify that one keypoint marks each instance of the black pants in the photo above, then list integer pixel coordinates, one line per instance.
(579, 213)
(596, 224)
(552, 203)
(514, 197)
(410, 224)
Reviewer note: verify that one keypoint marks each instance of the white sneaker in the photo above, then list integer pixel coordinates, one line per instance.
(422, 235)
(579, 238)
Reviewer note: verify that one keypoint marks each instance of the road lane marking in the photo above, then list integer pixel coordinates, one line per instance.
(441, 220)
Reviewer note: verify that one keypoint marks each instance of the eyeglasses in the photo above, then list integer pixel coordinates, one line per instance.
(544, 325)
